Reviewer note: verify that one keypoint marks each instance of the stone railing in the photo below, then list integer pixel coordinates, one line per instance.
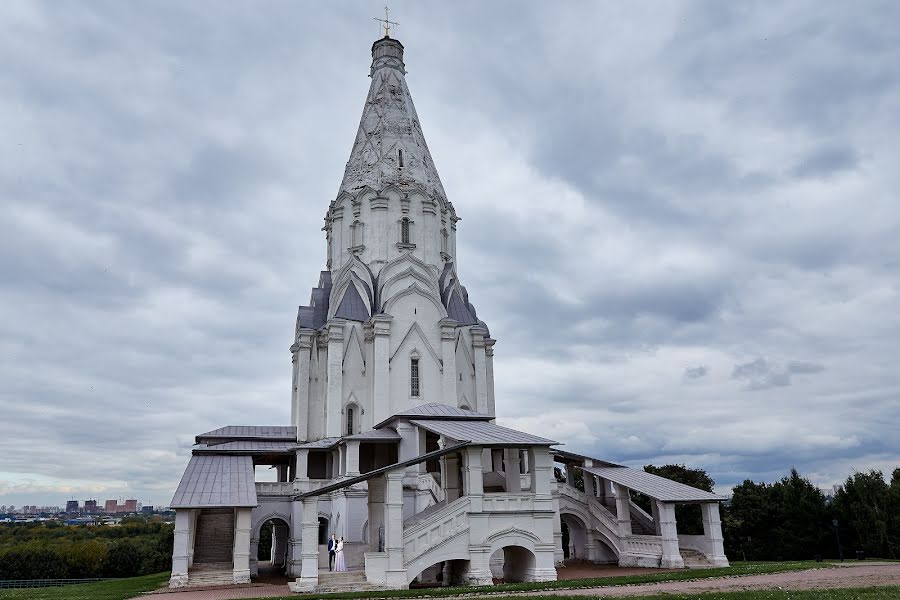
(602, 514)
(503, 502)
(274, 488)
(649, 545)
(435, 528)
(641, 516)
(428, 482)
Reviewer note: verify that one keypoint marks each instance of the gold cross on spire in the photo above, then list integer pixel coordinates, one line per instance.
(386, 23)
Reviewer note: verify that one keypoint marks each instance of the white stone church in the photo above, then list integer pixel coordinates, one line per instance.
(393, 443)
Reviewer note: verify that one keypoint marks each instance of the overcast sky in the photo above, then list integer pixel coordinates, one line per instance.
(680, 221)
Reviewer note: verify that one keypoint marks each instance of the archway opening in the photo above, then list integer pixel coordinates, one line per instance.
(443, 574)
(272, 549)
(574, 538)
(512, 564)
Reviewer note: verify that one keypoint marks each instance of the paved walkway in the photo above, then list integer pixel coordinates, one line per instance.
(847, 576)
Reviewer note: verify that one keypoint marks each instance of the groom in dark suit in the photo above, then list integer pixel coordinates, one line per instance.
(332, 548)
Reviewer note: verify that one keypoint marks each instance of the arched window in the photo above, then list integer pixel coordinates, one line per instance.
(404, 230)
(400, 156)
(414, 377)
(350, 429)
(356, 233)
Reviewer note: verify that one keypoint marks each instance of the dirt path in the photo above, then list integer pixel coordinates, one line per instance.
(857, 575)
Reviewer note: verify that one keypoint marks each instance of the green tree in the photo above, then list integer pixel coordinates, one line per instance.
(869, 506)
(689, 517)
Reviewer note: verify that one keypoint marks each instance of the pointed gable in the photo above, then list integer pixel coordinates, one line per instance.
(352, 306)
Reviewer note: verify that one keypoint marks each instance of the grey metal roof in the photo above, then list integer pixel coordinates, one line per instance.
(482, 433)
(564, 456)
(322, 444)
(376, 435)
(436, 410)
(315, 315)
(255, 446)
(652, 485)
(258, 432)
(458, 310)
(216, 480)
(352, 306)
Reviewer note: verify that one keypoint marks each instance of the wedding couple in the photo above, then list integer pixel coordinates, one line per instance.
(336, 560)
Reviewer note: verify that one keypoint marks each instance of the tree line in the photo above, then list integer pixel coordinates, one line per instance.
(51, 550)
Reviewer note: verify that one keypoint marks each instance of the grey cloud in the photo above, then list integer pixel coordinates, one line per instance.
(761, 374)
(697, 372)
(825, 162)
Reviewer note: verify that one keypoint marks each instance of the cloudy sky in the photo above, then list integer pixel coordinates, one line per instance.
(680, 219)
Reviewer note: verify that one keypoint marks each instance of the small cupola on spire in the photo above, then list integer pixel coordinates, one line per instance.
(387, 52)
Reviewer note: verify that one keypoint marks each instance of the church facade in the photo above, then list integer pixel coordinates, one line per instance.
(393, 444)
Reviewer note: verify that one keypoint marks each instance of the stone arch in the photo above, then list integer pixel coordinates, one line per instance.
(458, 558)
(258, 522)
(513, 554)
(414, 288)
(577, 542)
(277, 546)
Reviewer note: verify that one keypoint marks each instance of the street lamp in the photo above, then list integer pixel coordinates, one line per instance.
(837, 534)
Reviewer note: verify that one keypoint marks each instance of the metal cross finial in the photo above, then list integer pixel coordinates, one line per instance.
(386, 23)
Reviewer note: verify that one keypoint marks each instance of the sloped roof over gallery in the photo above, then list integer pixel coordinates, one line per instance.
(652, 485)
(390, 147)
(216, 480)
(481, 433)
(436, 411)
(250, 432)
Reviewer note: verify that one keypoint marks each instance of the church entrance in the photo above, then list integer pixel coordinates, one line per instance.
(272, 549)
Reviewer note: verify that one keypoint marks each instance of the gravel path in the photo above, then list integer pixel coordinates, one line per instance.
(862, 575)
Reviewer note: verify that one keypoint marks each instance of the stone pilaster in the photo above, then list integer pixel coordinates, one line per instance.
(481, 384)
(473, 477)
(395, 575)
(295, 556)
(309, 556)
(489, 367)
(333, 395)
(448, 356)
(300, 352)
(352, 458)
(381, 402)
(623, 510)
(511, 468)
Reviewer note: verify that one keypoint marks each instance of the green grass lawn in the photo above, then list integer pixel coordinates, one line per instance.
(737, 568)
(106, 590)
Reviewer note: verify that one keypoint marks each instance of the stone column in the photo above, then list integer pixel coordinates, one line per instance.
(300, 396)
(712, 531)
(333, 395)
(623, 510)
(542, 470)
(281, 472)
(511, 468)
(671, 557)
(448, 357)
(489, 368)
(352, 458)
(481, 400)
(301, 471)
(241, 554)
(590, 487)
(450, 477)
(341, 460)
(381, 401)
(570, 475)
(473, 473)
(654, 507)
(181, 549)
(395, 575)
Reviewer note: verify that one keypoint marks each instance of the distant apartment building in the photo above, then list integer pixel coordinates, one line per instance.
(131, 505)
(147, 509)
(111, 507)
(90, 507)
(71, 507)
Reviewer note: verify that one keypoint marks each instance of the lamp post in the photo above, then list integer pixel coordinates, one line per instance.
(837, 534)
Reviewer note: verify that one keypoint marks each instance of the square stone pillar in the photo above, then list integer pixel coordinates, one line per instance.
(309, 554)
(335, 366)
(281, 472)
(473, 477)
(376, 514)
(395, 575)
(301, 471)
(300, 353)
(712, 531)
(481, 399)
(341, 460)
(511, 469)
(654, 508)
(381, 400)
(541, 469)
(241, 554)
(448, 356)
(671, 557)
(352, 458)
(295, 554)
(623, 510)
(450, 477)
(590, 487)
(570, 475)
(182, 548)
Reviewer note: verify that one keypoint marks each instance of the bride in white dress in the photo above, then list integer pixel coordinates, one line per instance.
(340, 564)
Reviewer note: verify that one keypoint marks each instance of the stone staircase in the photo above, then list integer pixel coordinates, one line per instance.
(694, 560)
(346, 581)
(215, 536)
(204, 574)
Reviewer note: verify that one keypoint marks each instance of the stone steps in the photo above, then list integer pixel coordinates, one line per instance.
(211, 574)
(694, 560)
(347, 581)
(214, 542)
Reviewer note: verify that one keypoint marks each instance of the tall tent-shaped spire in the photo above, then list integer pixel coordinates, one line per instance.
(390, 147)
